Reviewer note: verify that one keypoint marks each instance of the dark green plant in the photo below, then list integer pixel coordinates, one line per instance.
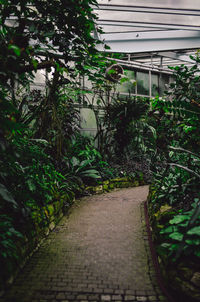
(182, 233)
(126, 123)
(32, 23)
(9, 251)
(179, 111)
(81, 170)
(177, 163)
(37, 127)
(83, 148)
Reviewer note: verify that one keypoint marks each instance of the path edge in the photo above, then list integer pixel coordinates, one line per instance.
(154, 256)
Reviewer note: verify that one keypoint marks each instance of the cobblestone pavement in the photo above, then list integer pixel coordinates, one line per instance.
(97, 253)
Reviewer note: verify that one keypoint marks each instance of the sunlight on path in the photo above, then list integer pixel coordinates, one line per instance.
(98, 253)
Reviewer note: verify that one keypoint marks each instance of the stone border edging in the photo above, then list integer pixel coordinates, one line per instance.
(155, 258)
(109, 185)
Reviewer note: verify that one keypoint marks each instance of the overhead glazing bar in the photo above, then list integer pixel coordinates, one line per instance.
(146, 9)
(159, 25)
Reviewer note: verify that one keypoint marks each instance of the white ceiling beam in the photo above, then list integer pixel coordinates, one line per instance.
(151, 41)
(175, 56)
(142, 9)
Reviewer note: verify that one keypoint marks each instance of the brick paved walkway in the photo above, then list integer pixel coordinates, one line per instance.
(98, 253)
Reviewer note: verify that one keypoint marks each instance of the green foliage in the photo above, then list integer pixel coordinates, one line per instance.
(183, 108)
(28, 182)
(177, 163)
(18, 53)
(182, 233)
(38, 127)
(28, 173)
(8, 248)
(125, 121)
(178, 186)
(81, 170)
(84, 163)
(31, 43)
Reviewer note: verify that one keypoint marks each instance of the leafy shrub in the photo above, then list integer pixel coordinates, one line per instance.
(83, 163)
(177, 164)
(9, 251)
(28, 182)
(182, 233)
(124, 119)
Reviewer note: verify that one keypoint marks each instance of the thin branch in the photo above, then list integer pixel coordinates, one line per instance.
(184, 168)
(183, 150)
(42, 65)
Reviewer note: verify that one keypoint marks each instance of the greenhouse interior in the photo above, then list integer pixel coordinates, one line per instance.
(99, 150)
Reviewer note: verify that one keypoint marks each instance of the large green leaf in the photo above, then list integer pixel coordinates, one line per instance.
(176, 236)
(31, 185)
(194, 231)
(6, 195)
(179, 218)
(90, 173)
(169, 229)
(197, 253)
(193, 241)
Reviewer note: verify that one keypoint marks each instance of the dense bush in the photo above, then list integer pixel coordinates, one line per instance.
(177, 172)
(37, 127)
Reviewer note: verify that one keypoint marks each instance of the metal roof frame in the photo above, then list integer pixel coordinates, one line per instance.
(151, 33)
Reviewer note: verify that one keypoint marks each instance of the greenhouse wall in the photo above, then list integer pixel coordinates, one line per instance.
(142, 83)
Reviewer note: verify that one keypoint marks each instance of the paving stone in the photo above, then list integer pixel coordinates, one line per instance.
(151, 293)
(152, 298)
(141, 299)
(129, 298)
(141, 292)
(105, 298)
(70, 297)
(98, 290)
(108, 291)
(162, 298)
(119, 291)
(60, 296)
(93, 297)
(81, 297)
(116, 297)
(130, 292)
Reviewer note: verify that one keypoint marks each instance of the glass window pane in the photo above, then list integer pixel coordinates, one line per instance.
(154, 84)
(163, 81)
(142, 83)
(128, 86)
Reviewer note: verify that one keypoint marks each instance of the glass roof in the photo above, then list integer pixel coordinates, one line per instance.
(151, 31)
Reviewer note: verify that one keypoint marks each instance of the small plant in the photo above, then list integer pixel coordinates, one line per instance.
(81, 171)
